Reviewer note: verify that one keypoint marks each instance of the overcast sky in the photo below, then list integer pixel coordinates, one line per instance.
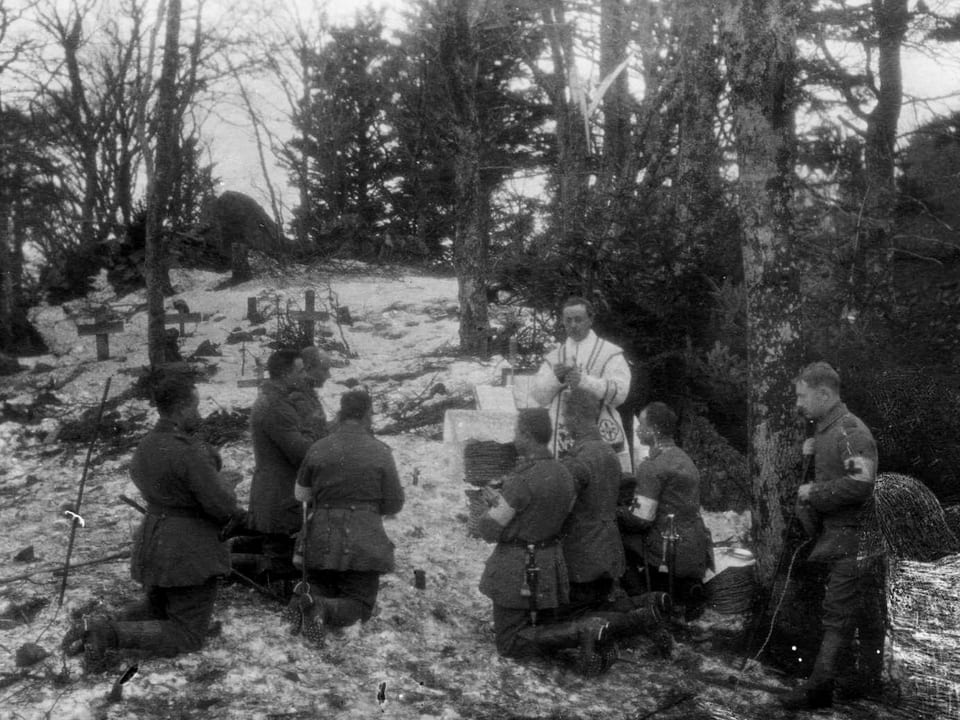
(233, 147)
(234, 150)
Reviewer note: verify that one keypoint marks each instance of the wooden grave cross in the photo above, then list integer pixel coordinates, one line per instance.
(181, 319)
(310, 315)
(253, 382)
(103, 329)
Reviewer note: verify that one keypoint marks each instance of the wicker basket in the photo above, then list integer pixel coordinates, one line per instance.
(731, 591)
(487, 460)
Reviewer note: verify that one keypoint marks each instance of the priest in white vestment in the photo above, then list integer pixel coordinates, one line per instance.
(586, 361)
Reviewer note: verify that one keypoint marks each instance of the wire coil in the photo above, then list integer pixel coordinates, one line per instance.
(731, 591)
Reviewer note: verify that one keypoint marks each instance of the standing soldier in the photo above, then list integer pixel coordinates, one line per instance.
(280, 442)
(845, 462)
(591, 545)
(177, 553)
(595, 366)
(351, 481)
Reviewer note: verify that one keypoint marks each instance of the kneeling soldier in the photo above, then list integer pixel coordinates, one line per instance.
(526, 576)
(177, 554)
(351, 480)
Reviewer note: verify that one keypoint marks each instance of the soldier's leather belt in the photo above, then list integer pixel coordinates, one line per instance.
(539, 545)
(372, 507)
(163, 510)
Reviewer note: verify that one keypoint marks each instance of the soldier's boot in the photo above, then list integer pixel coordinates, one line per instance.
(155, 638)
(871, 662)
(136, 611)
(658, 602)
(588, 635)
(648, 618)
(553, 636)
(860, 673)
(72, 642)
(341, 612)
(817, 691)
(100, 645)
(596, 649)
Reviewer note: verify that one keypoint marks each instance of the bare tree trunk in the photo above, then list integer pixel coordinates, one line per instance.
(760, 41)
(7, 286)
(698, 155)
(573, 151)
(165, 164)
(142, 100)
(615, 21)
(470, 245)
(81, 118)
(256, 120)
(305, 216)
(16, 333)
(875, 249)
(470, 248)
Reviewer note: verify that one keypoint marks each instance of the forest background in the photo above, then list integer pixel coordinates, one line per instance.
(728, 181)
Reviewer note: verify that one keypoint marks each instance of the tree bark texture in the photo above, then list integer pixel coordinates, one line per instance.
(83, 125)
(698, 156)
(760, 42)
(471, 241)
(160, 188)
(573, 150)
(305, 216)
(874, 256)
(8, 294)
(615, 25)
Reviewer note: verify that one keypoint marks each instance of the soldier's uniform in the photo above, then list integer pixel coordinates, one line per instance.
(541, 492)
(845, 462)
(280, 443)
(306, 402)
(591, 545)
(668, 478)
(177, 554)
(352, 481)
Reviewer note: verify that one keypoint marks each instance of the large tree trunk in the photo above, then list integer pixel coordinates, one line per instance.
(615, 25)
(8, 300)
(573, 150)
(470, 248)
(305, 216)
(158, 195)
(698, 156)
(83, 127)
(875, 248)
(760, 40)
(17, 335)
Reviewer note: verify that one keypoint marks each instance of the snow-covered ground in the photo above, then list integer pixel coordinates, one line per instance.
(430, 651)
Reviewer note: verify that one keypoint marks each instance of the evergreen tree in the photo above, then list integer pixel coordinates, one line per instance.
(30, 199)
(345, 133)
